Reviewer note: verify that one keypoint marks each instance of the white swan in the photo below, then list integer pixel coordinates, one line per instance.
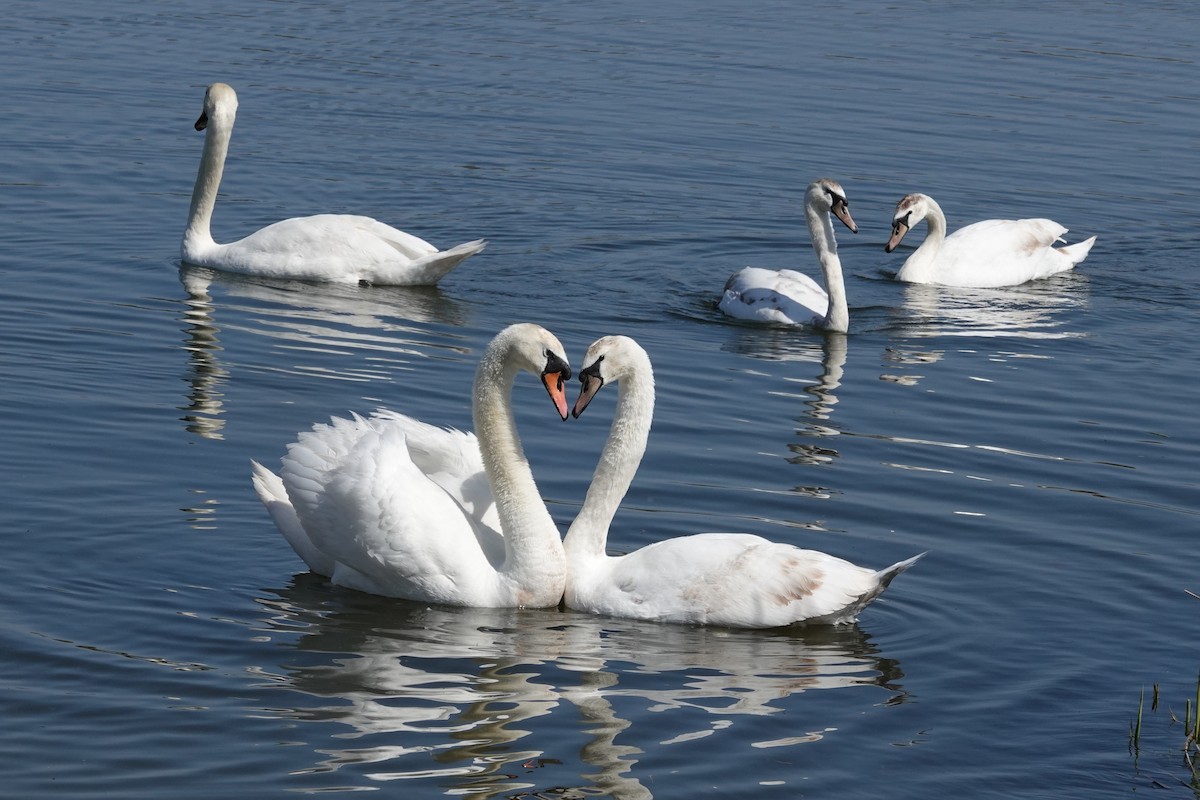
(732, 579)
(987, 254)
(338, 248)
(791, 297)
(393, 506)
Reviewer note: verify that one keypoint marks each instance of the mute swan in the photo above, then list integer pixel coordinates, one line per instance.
(791, 297)
(393, 506)
(337, 248)
(987, 254)
(733, 579)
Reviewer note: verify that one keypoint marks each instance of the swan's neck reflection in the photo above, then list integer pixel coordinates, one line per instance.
(202, 414)
(355, 322)
(820, 400)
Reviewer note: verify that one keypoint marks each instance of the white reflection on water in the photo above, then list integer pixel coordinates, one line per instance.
(422, 691)
(300, 318)
(1030, 311)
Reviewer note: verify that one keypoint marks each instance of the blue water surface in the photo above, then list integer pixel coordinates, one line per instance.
(160, 639)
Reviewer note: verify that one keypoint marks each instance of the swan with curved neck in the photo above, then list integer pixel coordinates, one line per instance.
(791, 297)
(987, 254)
(731, 579)
(396, 507)
(336, 248)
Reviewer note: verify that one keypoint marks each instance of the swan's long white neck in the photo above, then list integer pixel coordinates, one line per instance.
(918, 267)
(588, 534)
(820, 227)
(208, 180)
(533, 554)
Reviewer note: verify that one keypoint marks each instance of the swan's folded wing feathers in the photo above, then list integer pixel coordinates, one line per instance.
(450, 458)
(392, 523)
(784, 296)
(740, 580)
(274, 496)
(404, 243)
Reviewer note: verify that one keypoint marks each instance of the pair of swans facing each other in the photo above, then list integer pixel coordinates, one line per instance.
(337, 248)
(393, 506)
(988, 254)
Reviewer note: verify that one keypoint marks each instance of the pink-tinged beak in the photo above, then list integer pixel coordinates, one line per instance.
(590, 386)
(899, 228)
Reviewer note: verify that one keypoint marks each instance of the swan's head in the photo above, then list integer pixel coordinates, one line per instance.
(828, 196)
(607, 360)
(911, 209)
(534, 349)
(220, 103)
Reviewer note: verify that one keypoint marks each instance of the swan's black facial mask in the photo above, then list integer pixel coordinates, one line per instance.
(900, 227)
(202, 123)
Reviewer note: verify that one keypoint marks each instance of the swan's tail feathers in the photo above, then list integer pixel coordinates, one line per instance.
(428, 270)
(274, 496)
(1078, 252)
(885, 576)
(850, 611)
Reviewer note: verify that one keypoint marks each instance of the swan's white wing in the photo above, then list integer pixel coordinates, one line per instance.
(329, 247)
(451, 459)
(731, 579)
(338, 248)
(366, 504)
(1002, 252)
(426, 270)
(766, 295)
(274, 496)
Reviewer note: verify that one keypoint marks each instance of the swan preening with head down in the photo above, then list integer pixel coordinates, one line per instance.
(338, 248)
(393, 506)
(791, 297)
(730, 579)
(987, 254)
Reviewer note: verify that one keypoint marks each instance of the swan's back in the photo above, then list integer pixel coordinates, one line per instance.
(733, 579)
(764, 295)
(336, 248)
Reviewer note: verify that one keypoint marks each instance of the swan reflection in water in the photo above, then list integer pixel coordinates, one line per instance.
(816, 389)
(1036, 310)
(301, 318)
(490, 701)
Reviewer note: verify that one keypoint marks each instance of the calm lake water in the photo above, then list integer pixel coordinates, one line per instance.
(160, 639)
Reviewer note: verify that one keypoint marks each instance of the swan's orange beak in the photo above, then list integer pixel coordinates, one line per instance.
(591, 384)
(555, 384)
(899, 228)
